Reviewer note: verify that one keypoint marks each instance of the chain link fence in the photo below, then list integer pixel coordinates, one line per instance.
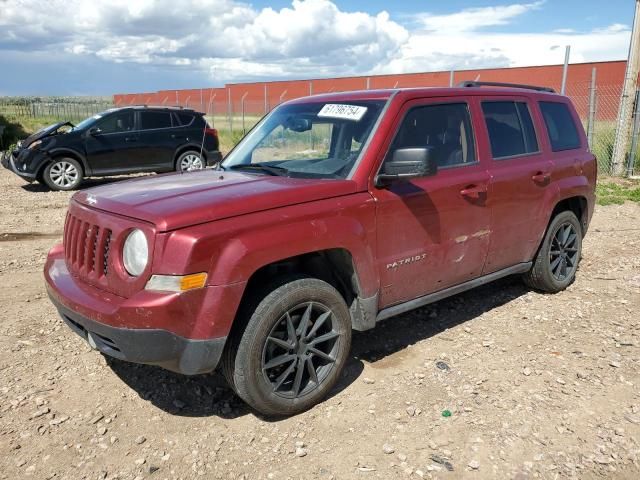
(62, 108)
(20, 116)
(597, 105)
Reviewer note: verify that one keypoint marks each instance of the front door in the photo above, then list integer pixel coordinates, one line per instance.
(114, 146)
(433, 232)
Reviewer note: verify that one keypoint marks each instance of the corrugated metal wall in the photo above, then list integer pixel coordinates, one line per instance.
(255, 99)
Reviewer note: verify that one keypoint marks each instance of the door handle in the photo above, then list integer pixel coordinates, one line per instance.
(130, 139)
(541, 177)
(473, 191)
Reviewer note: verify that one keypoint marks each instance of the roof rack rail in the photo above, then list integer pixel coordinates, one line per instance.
(469, 83)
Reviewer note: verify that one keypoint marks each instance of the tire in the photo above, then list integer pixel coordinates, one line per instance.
(272, 362)
(190, 160)
(63, 174)
(555, 265)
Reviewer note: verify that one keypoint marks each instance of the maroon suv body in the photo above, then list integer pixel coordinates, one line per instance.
(334, 212)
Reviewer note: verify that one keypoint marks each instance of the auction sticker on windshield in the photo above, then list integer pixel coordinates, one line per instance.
(346, 112)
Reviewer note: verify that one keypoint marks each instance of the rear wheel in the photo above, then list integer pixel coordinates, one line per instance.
(63, 174)
(188, 161)
(556, 263)
(293, 348)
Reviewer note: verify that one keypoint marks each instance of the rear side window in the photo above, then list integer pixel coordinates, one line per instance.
(510, 127)
(446, 128)
(151, 120)
(560, 125)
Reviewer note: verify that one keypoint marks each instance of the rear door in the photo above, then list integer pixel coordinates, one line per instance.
(433, 232)
(520, 174)
(114, 147)
(158, 139)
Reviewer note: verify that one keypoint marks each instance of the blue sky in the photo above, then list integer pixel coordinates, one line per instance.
(101, 47)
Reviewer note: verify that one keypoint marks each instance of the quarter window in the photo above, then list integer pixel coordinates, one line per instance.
(445, 128)
(560, 125)
(510, 128)
(152, 120)
(185, 118)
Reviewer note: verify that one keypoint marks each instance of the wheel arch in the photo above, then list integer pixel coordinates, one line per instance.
(186, 148)
(63, 152)
(336, 266)
(577, 204)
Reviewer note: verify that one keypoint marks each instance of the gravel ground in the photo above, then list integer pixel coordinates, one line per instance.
(537, 386)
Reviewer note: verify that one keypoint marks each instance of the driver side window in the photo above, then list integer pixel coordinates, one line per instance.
(445, 128)
(117, 123)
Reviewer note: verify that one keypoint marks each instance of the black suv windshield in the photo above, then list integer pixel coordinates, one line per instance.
(315, 139)
(88, 122)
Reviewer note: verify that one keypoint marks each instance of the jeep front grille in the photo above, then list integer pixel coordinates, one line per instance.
(86, 246)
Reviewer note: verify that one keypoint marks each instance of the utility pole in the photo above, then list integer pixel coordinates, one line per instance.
(623, 127)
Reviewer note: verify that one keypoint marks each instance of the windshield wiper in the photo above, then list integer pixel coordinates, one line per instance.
(270, 169)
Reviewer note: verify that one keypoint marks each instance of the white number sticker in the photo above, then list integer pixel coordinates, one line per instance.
(346, 112)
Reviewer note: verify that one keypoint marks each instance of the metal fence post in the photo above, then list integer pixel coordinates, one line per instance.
(452, 74)
(565, 70)
(266, 100)
(212, 108)
(592, 108)
(244, 131)
(229, 110)
(634, 137)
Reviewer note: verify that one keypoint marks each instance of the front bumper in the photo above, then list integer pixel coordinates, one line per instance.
(148, 346)
(184, 333)
(11, 161)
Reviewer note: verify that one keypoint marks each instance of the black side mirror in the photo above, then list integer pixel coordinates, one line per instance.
(94, 131)
(407, 163)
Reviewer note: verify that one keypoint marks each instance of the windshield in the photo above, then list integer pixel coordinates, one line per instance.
(313, 140)
(87, 122)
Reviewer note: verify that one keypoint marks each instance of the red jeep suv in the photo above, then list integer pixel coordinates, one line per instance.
(335, 212)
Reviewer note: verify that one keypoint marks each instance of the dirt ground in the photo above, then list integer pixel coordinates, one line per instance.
(538, 386)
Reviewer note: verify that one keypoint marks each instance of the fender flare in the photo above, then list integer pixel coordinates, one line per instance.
(564, 189)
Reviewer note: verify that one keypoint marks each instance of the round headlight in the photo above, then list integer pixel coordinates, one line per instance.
(135, 253)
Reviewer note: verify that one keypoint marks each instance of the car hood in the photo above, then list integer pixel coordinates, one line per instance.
(45, 132)
(180, 200)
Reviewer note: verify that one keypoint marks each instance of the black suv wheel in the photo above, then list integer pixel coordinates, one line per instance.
(63, 174)
(293, 348)
(189, 160)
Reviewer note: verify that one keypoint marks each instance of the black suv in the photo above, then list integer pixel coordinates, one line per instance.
(118, 141)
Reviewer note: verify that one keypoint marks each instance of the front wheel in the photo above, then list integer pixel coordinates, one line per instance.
(556, 263)
(63, 174)
(188, 161)
(293, 348)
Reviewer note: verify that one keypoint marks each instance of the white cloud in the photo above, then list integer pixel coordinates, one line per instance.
(224, 36)
(230, 41)
(471, 19)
